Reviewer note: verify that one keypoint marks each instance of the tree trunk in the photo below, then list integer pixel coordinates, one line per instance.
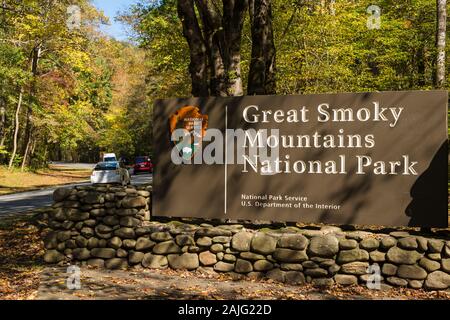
(214, 36)
(35, 55)
(440, 43)
(197, 48)
(261, 78)
(233, 21)
(16, 130)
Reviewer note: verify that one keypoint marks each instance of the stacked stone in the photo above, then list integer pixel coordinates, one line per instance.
(96, 224)
(109, 227)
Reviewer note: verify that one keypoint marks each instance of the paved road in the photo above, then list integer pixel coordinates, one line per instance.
(25, 201)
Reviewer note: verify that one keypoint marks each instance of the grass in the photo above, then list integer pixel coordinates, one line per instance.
(17, 181)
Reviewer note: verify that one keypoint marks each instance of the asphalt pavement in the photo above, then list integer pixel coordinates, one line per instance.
(26, 201)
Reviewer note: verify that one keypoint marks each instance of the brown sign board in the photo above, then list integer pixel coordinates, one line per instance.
(375, 158)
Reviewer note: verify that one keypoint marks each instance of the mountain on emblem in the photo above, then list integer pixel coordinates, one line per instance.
(194, 123)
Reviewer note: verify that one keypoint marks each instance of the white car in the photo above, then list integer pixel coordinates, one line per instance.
(110, 172)
(109, 157)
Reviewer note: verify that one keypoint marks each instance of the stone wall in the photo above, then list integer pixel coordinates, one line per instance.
(109, 227)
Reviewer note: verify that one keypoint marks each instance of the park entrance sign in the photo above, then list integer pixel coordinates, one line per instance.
(352, 158)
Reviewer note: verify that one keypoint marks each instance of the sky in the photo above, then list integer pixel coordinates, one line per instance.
(110, 9)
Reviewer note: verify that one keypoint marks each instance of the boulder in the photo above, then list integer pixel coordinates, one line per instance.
(161, 236)
(224, 266)
(437, 280)
(263, 243)
(81, 254)
(399, 282)
(262, 265)
(355, 268)
(129, 222)
(104, 253)
(413, 272)
(251, 256)
(61, 194)
(207, 258)
(324, 246)
(135, 257)
(184, 240)
(388, 242)
(347, 244)
(389, 269)
(316, 272)
(346, 256)
(401, 256)
(143, 244)
(98, 263)
(116, 263)
(115, 242)
(93, 198)
(345, 279)
(111, 220)
(276, 275)
(133, 202)
(154, 261)
(289, 255)
(408, 243)
(429, 265)
(435, 245)
(293, 241)
(369, 244)
(125, 233)
(446, 265)
(53, 256)
(294, 278)
(166, 247)
(204, 241)
(243, 266)
(187, 261)
(241, 241)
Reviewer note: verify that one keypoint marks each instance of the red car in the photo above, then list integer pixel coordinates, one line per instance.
(142, 164)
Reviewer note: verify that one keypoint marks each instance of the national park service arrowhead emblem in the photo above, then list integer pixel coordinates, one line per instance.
(194, 125)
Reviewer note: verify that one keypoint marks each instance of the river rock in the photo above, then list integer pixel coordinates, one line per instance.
(324, 246)
(154, 261)
(135, 257)
(207, 258)
(166, 247)
(355, 268)
(224, 266)
(125, 233)
(188, 261)
(401, 256)
(243, 266)
(53, 256)
(104, 253)
(347, 244)
(345, 279)
(293, 241)
(408, 243)
(116, 263)
(429, 265)
(143, 244)
(262, 265)
(263, 243)
(289, 255)
(413, 272)
(369, 244)
(241, 241)
(133, 202)
(346, 256)
(437, 280)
